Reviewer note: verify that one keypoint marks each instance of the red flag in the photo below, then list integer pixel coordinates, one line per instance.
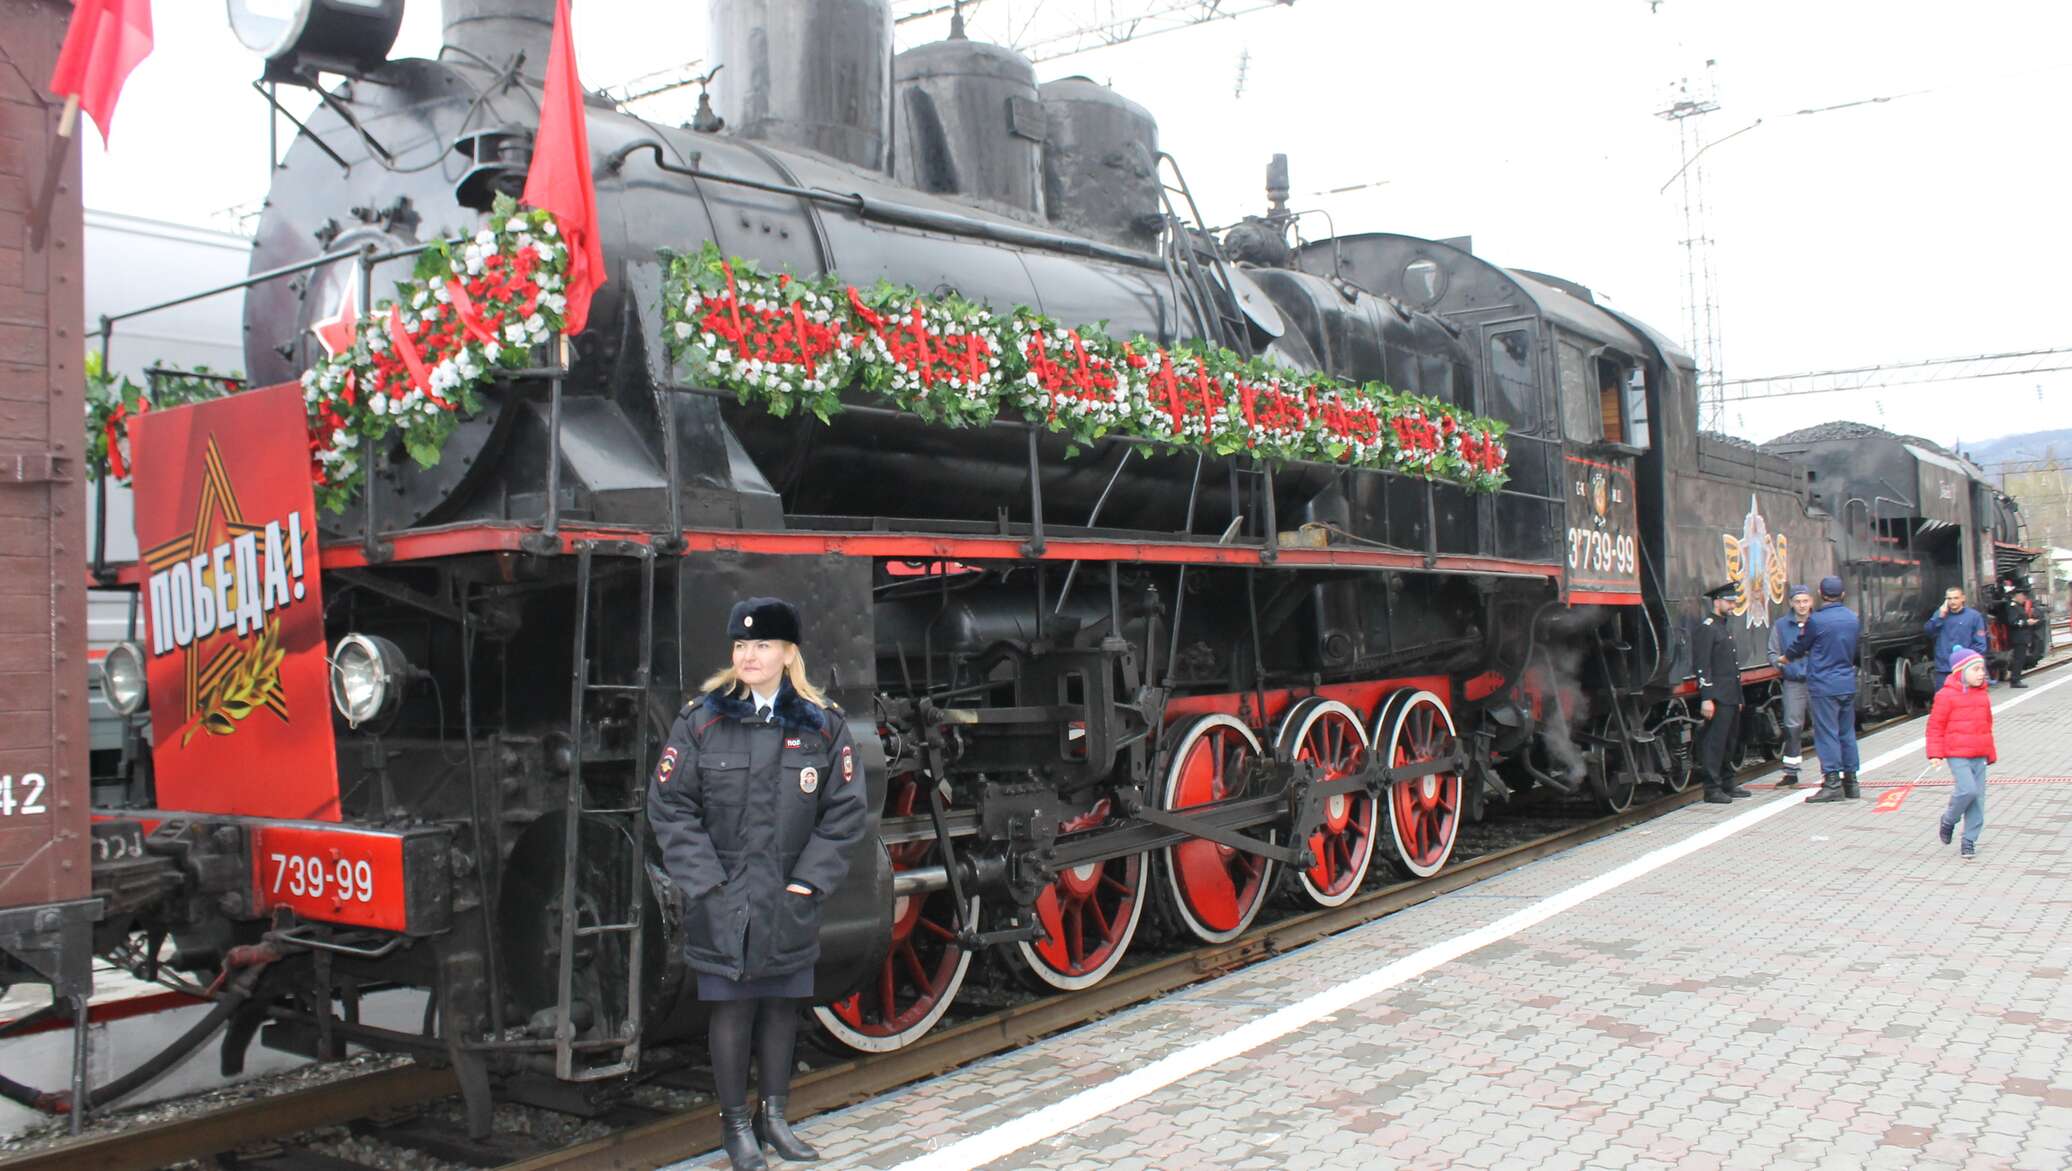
(559, 181)
(103, 43)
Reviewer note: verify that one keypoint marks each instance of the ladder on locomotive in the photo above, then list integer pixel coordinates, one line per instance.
(1211, 294)
(615, 1047)
(1214, 300)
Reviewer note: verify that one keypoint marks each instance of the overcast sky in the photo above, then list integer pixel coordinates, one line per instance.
(1930, 225)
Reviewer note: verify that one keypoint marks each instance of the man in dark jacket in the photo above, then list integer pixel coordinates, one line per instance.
(2024, 624)
(1831, 647)
(1792, 682)
(1952, 626)
(1718, 668)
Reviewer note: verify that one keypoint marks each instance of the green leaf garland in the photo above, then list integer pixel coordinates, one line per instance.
(794, 344)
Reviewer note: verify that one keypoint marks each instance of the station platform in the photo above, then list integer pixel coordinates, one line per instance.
(1762, 985)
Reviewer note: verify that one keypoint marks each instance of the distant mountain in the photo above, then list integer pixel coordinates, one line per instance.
(2019, 452)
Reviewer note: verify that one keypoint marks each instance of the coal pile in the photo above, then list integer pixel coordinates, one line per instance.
(1828, 432)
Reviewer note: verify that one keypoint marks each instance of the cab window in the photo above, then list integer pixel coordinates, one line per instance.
(1581, 418)
(1623, 399)
(1514, 395)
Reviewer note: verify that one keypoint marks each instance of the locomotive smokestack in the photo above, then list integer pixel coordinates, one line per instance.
(815, 74)
(494, 30)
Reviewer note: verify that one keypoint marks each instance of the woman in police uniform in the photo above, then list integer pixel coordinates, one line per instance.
(755, 803)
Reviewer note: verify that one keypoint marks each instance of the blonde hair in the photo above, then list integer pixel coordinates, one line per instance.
(724, 679)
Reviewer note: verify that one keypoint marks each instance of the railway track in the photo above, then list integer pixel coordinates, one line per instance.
(389, 1107)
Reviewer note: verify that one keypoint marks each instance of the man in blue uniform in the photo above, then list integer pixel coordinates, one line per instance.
(1830, 647)
(1792, 681)
(1952, 626)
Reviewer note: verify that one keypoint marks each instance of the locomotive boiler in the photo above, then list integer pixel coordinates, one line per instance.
(1095, 693)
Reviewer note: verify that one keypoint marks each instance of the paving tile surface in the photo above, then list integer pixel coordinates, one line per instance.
(1830, 988)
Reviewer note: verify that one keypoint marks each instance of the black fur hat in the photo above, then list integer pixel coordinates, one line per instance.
(772, 618)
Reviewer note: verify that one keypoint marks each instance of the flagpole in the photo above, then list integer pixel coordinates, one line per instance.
(70, 117)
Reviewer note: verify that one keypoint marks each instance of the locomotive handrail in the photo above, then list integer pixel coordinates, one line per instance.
(889, 212)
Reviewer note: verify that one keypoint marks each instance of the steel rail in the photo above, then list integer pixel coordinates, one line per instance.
(144, 1148)
(831, 1087)
(845, 1082)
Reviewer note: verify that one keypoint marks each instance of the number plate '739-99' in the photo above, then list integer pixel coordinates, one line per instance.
(386, 881)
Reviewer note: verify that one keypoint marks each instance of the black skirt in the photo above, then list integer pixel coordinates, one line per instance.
(795, 986)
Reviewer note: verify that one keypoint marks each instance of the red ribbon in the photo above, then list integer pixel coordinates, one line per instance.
(407, 350)
(733, 300)
(921, 346)
(117, 466)
(470, 317)
(864, 311)
(798, 322)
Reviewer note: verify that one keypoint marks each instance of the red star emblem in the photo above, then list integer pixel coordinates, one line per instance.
(335, 333)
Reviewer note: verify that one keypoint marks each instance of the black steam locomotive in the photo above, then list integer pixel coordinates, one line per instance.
(1083, 686)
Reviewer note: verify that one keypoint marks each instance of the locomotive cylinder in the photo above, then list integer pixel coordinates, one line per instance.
(970, 125)
(815, 74)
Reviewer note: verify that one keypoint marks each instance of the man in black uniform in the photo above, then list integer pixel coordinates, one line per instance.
(1718, 667)
(2024, 625)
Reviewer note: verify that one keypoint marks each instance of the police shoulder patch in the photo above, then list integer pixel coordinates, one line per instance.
(848, 763)
(667, 765)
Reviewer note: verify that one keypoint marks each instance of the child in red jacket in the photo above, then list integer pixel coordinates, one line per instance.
(1960, 730)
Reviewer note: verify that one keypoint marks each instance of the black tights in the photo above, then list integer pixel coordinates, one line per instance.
(773, 1025)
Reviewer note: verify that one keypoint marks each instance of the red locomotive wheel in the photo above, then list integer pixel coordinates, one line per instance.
(1089, 916)
(1424, 812)
(1215, 890)
(923, 968)
(1328, 733)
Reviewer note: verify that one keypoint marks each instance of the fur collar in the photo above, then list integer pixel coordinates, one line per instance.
(793, 710)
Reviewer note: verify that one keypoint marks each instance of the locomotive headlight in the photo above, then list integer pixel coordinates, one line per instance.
(122, 677)
(367, 677)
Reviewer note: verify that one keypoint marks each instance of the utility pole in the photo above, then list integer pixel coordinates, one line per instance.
(1687, 109)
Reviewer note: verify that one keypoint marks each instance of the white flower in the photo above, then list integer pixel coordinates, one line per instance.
(491, 349)
(378, 404)
(536, 322)
(486, 238)
(515, 333)
(549, 227)
(683, 330)
(516, 224)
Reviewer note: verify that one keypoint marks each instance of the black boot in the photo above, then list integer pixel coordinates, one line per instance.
(1715, 795)
(1830, 789)
(1849, 788)
(1788, 780)
(1736, 791)
(771, 1128)
(737, 1135)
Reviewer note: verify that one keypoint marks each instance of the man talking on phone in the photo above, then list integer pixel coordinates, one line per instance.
(1954, 625)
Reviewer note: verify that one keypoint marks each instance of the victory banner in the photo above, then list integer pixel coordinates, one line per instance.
(233, 606)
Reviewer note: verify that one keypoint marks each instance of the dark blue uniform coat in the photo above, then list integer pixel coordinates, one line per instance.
(741, 807)
(1829, 648)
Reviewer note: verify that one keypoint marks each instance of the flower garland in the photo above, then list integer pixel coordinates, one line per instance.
(792, 344)
(415, 363)
(797, 344)
(112, 400)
